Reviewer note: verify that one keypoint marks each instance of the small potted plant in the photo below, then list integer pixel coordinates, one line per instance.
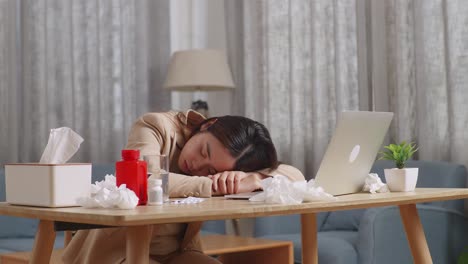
(400, 179)
(463, 259)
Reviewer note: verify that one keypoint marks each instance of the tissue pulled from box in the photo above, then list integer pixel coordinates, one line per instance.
(279, 189)
(374, 184)
(63, 143)
(106, 194)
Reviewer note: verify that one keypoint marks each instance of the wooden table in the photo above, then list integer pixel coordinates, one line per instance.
(238, 249)
(137, 220)
(226, 248)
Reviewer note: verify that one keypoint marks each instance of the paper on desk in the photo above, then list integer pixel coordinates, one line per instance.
(63, 143)
(106, 194)
(188, 200)
(373, 184)
(279, 189)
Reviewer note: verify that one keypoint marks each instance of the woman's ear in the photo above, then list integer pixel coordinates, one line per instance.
(209, 123)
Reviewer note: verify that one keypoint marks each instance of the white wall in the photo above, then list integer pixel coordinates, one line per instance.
(197, 24)
(201, 24)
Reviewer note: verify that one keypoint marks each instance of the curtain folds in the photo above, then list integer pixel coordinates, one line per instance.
(297, 66)
(9, 78)
(302, 62)
(93, 66)
(427, 65)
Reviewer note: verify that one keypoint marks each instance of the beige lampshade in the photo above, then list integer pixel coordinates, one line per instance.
(203, 70)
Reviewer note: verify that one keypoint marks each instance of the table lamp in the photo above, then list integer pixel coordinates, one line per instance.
(199, 70)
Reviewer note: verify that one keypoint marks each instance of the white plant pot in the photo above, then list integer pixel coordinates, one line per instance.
(401, 180)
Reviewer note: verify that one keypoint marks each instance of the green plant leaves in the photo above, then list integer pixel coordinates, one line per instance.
(399, 153)
(463, 259)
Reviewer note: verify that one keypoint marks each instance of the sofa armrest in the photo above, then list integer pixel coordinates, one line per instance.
(382, 239)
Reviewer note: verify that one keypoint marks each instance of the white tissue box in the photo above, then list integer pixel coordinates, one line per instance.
(48, 185)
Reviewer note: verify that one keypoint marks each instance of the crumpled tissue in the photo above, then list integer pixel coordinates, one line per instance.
(279, 189)
(62, 145)
(373, 184)
(106, 194)
(188, 200)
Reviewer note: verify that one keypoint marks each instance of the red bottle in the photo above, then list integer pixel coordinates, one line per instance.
(132, 172)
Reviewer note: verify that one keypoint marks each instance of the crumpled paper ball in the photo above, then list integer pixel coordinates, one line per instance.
(106, 194)
(374, 184)
(279, 189)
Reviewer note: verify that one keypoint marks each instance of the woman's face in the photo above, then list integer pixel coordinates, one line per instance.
(203, 155)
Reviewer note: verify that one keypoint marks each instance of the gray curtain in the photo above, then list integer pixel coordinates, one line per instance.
(427, 73)
(91, 65)
(302, 62)
(296, 63)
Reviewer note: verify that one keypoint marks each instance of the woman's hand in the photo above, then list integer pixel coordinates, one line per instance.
(230, 182)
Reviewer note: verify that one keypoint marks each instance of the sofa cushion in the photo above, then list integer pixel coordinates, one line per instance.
(334, 247)
(25, 244)
(337, 247)
(214, 227)
(284, 224)
(17, 227)
(445, 232)
(343, 220)
(431, 174)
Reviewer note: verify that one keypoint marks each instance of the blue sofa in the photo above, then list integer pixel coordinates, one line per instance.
(356, 236)
(376, 235)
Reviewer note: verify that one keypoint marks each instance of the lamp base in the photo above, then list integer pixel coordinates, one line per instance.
(201, 107)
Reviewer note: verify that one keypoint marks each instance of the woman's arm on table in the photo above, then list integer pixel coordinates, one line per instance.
(230, 182)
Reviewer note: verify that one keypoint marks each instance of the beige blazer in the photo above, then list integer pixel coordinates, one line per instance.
(166, 133)
(160, 133)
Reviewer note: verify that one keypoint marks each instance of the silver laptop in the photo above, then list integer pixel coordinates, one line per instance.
(352, 151)
(350, 154)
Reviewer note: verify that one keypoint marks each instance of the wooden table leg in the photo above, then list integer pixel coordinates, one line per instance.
(138, 238)
(415, 234)
(44, 242)
(309, 239)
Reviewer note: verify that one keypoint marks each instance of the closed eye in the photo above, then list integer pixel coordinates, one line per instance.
(204, 152)
(208, 150)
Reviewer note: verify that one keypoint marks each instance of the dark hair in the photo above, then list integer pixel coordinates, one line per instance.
(248, 141)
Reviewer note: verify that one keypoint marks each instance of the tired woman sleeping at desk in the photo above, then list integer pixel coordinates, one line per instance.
(215, 156)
